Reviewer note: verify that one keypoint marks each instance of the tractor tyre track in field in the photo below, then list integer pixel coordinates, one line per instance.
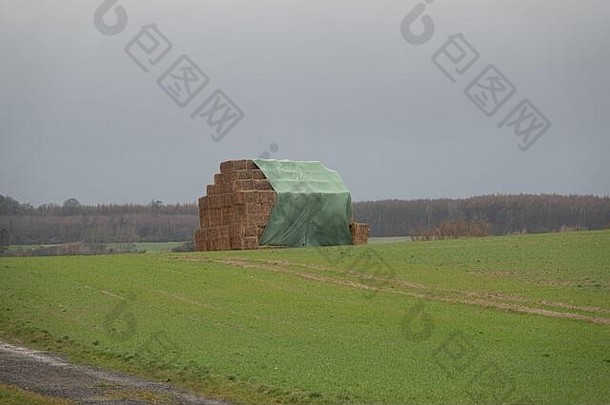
(500, 301)
(50, 375)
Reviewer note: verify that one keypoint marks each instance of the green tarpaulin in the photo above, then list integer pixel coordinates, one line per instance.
(313, 205)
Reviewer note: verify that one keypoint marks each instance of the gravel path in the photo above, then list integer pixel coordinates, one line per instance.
(51, 375)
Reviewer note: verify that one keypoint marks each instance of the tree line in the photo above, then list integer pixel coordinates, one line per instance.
(157, 222)
(103, 223)
(498, 214)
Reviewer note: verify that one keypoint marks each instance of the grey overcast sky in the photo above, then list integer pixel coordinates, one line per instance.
(328, 80)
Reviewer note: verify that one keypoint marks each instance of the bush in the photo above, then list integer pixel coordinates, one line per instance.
(454, 229)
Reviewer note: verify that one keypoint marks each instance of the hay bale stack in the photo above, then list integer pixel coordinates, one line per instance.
(360, 233)
(236, 209)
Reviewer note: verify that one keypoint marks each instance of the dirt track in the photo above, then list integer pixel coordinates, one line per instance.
(50, 375)
(489, 299)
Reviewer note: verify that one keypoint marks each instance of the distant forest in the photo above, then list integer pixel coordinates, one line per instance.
(158, 222)
(499, 214)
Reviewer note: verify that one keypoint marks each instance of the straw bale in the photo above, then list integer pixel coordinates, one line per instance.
(232, 165)
(262, 185)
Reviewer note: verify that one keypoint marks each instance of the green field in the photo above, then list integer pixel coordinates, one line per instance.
(149, 247)
(519, 319)
(15, 396)
(152, 247)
